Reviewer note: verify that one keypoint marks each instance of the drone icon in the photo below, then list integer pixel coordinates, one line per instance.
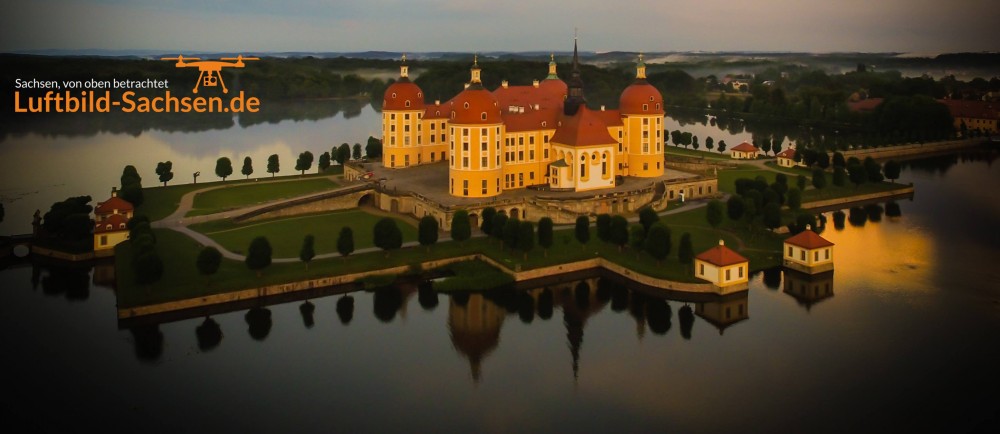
(210, 70)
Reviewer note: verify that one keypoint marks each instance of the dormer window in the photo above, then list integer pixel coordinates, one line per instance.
(466, 105)
(407, 103)
(483, 116)
(657, 106)
(543, 124)
(645, 107)
(651, 98)
(394, 95)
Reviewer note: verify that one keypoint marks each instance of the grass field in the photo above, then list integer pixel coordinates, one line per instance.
(253, 193)
(160, 202)
(728, 177)
(286, 234)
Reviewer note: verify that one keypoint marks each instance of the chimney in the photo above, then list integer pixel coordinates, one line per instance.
(437, 102)
(722, 242)
(114, 191)
(602, 107)
(809, 227)
(466, 86)
(504, 84)
(534, 83)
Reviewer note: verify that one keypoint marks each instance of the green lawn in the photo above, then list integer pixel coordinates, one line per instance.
(286, 234)
(728, 177)
(160, 201)
(712, 155)
(239, 195)
(797, 170)
(181, 279)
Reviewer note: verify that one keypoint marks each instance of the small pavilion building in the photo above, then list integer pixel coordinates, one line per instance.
(110, 223)
(727, 270)
(808, 252)
(744, 151)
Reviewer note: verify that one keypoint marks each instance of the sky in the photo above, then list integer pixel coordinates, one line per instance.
(255, 26)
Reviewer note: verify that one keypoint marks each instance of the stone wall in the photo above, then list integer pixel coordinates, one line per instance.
(326, 202)
(902, 191)
(911, 149)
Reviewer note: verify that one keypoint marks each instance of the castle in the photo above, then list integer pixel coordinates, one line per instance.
(520, 136)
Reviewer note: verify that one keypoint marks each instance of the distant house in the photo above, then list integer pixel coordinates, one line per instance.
(786, 158)
(976, 115)
(740, 84)
(744, 151)
(723, 267)
(110, 223)
(863, 105)
(808, 252)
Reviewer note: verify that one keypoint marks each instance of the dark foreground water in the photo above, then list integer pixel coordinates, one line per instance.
(903, 335)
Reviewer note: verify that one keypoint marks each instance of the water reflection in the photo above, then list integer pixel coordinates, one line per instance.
(209, 334)
(258, 323)
(345, 309)
(148, 342)
(808, 289)
(307, 309)
(70, 281)
(725, 311)
(474, 326)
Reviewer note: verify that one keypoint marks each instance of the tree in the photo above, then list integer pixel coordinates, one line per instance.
(582, 230)
(258, 255)
(722, 146)
(776, 145)
(892, 169)
(131, 186)
(709, 143)
(839, 176)
(511, 230)
(304, 162)
(794, 200)
(801, 182)
(686, 138)
(460, 226)
(685, 252)
(324, 161)
(526, 238)
(345, 241)
(694, 142)
(619, 231)
(308, 251)
(823, 160)
(604, 227)
(247, 169)
(657, 242)
(387, 235)
(223, 167)
(857, 174)
(356, 151)
(428, 231)
(209, 260)
(676, 138)
(545, 234)
(819, 179)
(873, 170)
(374, 148)
(772, 215)
(164, 170)
(342, 154)
(838, 160)
(487, 215)
(273, 165)
(496, 229)
(714, 213)
(765, 145)
(636, 238)
(734, 208)
(647, 217)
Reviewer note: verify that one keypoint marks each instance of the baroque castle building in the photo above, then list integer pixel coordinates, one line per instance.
(514, 137)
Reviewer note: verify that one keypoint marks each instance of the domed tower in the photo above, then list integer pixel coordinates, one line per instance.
(476, 131)
(402, 110)
(553, 84)
(641, 107)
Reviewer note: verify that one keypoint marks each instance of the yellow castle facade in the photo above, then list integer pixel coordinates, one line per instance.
(515, 137)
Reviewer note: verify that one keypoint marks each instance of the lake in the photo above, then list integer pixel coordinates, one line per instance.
(903, 335)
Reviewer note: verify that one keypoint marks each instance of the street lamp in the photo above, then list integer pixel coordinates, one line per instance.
(196, 177)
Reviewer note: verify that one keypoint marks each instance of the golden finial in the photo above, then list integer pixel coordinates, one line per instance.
(552, 57)
(475, 59)
(404, 57)
(640, 56)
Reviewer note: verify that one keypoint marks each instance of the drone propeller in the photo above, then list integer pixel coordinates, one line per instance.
(180, 58)
(239, 58)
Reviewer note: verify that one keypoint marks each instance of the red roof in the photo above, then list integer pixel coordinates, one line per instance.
(787, 153)
(115, 221)
(721, 256)
(554, 86)
(865, 105)
(808, 239)
(745, 147)
(613, 118)
(524, 96)
(115, 203)
(437, 111)
(531, 120)
(638, 94)
(398, 93)
(585, 128)
(470, 105)
(972, 109)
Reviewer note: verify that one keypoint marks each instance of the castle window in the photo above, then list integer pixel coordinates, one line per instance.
(645, 121)
(465, 162)
(531, 154)
(485, 162)
(484, 186)
(433, 126)
(394, 95)
(520, 155)
(392, 128)
(531, 140)
(420, 94)
(484, 146)
(483, 116)
(651, 98)
(482, 131)
(465, 132)
(545, 153)
(465, 147)
(465, 187)
(466, 105)
(645, 107)
(545, 138)
(406, 116)
(407, 104)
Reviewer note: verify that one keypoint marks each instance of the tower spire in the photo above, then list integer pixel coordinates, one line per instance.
(575, 97)
(640, 69)
(552, 67)
(476, 78)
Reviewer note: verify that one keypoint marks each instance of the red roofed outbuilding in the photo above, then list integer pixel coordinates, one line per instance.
(111, 218)
(808, 252)
(786, 158)
(744, 151)
(723, 267)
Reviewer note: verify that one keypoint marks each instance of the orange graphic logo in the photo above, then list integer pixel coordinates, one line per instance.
(210, 71)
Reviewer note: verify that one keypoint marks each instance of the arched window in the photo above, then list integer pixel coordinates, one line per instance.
(407, 103)
(394, 95)
(483, 116)
(466, 105)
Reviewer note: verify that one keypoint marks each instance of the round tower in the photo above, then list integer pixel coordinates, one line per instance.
(402, 110)
(641, 107)
(476, 131)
